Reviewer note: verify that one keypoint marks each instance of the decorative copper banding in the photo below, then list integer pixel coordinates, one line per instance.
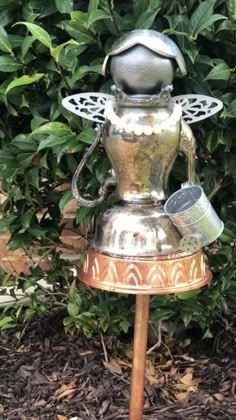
(145, 276)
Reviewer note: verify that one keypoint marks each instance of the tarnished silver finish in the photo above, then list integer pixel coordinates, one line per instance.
(134, 230)
(152, 40)
(193, 215)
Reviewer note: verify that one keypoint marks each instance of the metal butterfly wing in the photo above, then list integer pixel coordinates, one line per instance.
(197, 107)
(91, 106)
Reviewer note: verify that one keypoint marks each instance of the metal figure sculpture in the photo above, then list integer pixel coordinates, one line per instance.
(147, 243)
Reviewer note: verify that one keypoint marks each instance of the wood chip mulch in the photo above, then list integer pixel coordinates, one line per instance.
(50, 375)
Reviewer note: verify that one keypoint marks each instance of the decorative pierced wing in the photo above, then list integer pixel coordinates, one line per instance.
(91, 106)
(197, 107)
(88, 105)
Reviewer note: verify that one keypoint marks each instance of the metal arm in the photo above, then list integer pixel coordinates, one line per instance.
(103, 190)
(188, 147)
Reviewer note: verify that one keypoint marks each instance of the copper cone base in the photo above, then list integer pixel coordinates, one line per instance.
(147, 276)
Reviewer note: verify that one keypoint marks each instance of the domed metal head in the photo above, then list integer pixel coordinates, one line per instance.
(140, 71)
(154, 41)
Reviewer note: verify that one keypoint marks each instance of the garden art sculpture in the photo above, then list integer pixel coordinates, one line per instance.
(149, 242)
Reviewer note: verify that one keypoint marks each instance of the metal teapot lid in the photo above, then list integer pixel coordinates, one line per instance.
(153, 40)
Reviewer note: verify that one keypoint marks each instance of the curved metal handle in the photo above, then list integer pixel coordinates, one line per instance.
(188, 147)
(103, 190)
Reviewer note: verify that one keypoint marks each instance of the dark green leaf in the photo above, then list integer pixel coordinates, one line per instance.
(80, 17)
(96, 15)
(230, 110)
(92, 6)
(53, 141)
(6, 157)
(73, 309)
(55, 128)
(161, 315)
(5, 44)
(24, 80)
(79, 32)
(33, 177)
(225, 251)
(188, 295)
(203, 17)
(125, 325)
(207, 334)
(227, 236)
(6, 321)
(24, 160)
(5, 224)
(39, 33)
(55, 52)
(24, 143)
(87, 136)
(26, 44)
(64, 6)
(68, 321)
(37, 231)
(232, 9)
(8, 64)
(19, 240)
(67, 196)
(187, 318)
(146, 19)
(26, 219)
(219, 72)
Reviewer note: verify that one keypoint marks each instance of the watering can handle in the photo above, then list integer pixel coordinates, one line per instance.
(103, 190)
(188, 147)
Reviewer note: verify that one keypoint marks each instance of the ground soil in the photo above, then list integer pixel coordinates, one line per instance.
(50, 375)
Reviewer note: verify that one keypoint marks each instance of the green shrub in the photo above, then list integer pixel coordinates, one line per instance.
(50, 49)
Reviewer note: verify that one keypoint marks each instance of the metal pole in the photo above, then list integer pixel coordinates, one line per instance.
(139, 356)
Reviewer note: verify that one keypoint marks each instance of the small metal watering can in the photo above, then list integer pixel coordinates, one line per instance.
(193, 215)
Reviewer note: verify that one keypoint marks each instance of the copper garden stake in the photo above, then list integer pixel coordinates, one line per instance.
(148, 242)
(139, 356)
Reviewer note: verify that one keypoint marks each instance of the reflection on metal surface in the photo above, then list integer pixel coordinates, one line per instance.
(139, 129)
(135, 230)
(173, 274)
(142, 163)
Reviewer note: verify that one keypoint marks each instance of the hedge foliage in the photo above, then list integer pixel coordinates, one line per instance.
(50, 49)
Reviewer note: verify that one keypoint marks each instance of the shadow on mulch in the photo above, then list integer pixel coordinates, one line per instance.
(54, 376)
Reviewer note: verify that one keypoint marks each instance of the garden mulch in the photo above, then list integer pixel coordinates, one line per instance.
(50, 375)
